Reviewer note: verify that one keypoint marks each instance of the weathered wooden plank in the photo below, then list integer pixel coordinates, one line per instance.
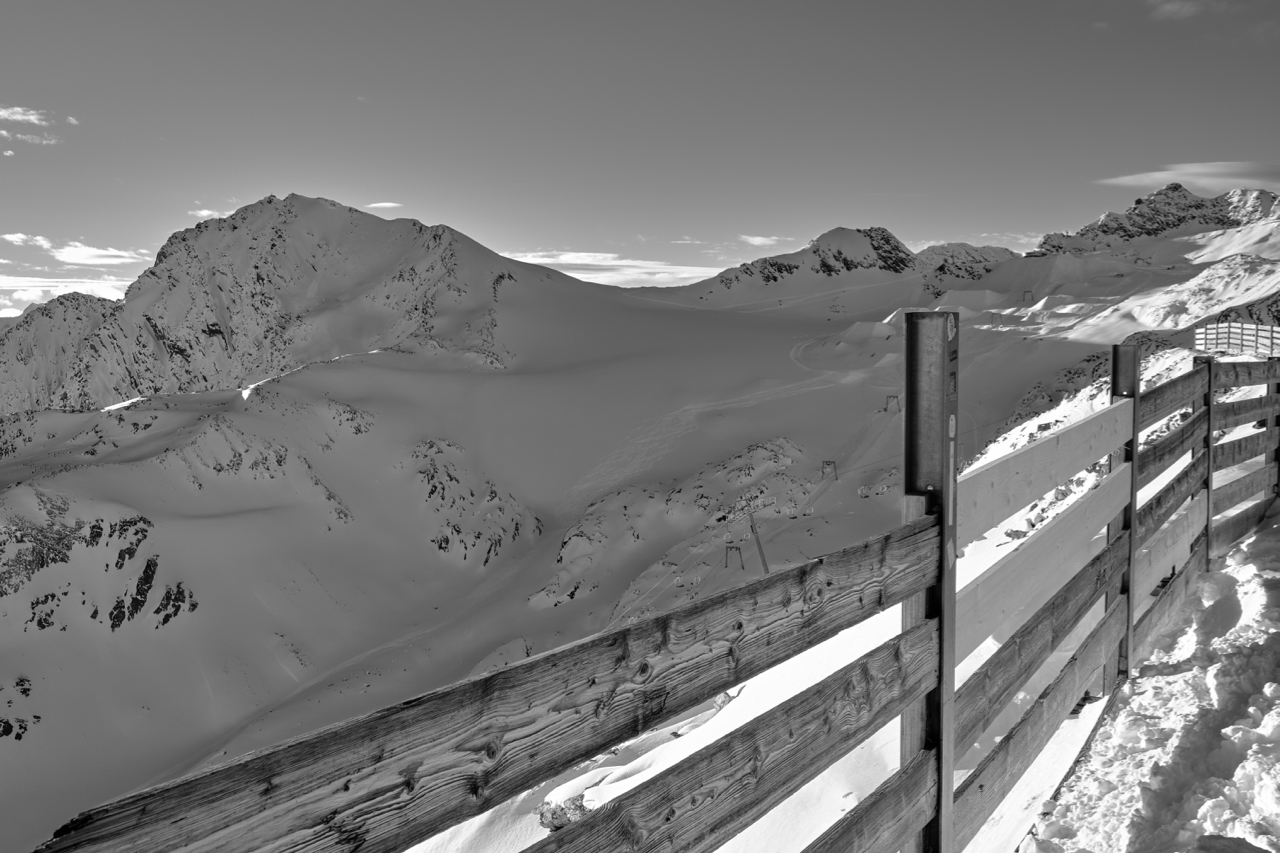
(1030, 575)
(711, 796)
(408, 771)
(1237, 412)
(1230, 494)
(984, 789)
(1226, 533)
(1168, 548)
(992, 492)
(1153, 461)
(1233, 374)
(984, 695)
(897, 809)
(1163, 400)
(1162, 612)
(1231, 453)
(1163, 503)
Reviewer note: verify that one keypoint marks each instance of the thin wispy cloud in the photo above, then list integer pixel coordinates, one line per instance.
(383, 205)
(18, 292)
(761, 242)
(611, 268)
(688, 241)
(1018, 241)
(72, 120)
(1181, 10)
(1010, 239)
(23, 115)
(27, 294)
(30, 138)
(78, 254)
(19, 239)
(1215, 177)
(8, 153)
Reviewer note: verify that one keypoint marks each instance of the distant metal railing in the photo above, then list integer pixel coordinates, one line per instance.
(1238, 338)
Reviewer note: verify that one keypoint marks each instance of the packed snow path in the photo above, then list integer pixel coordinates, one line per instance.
(1192, 748)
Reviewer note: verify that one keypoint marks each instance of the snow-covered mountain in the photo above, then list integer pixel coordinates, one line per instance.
(1171, 211)
(451, 460)
(276, 285)
(835, 261)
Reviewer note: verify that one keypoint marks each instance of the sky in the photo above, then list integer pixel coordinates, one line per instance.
(626, 143)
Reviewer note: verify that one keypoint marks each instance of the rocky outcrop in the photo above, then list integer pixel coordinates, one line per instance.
(28, 547)
(465, 517)
(220, 450)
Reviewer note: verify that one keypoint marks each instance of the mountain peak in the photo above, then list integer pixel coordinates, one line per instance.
(279, 283)
(858, 248)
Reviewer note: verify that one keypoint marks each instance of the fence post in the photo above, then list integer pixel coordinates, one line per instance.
(1126, 381)
(932, 405)
(1207, 403)
(1273, 458)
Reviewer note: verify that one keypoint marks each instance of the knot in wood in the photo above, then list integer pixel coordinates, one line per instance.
(814, 595)
(643, 672)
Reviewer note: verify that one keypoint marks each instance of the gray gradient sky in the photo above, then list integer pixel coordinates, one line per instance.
(624, 142)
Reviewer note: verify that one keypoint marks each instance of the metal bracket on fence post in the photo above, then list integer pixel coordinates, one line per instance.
(1207, 362)
(932, 407)
(1126, 381)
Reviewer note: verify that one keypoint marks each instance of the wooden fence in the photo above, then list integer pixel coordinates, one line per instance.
(399, 775)
(1239, 338)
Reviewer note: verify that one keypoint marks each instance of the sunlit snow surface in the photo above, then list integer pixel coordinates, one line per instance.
(1194, 748)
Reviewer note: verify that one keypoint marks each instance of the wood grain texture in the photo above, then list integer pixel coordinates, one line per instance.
(1231, 453)
(403, 773)
(1228, 495)
(1234, 374)
(899, 808)
(711, 796)
(1237, 412)
(992, 492)
(1168, 548)
(1178, 393)
(1163, 503)
(993, 779)
(1153, 461)
(985, 694)
(1031, 575)
(1164, 611)
(1229, 531)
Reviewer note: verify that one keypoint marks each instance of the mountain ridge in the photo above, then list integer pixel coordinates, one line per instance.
(1167, 209)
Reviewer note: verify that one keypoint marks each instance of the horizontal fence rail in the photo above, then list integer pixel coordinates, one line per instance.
(392, 778)
(409, 771)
